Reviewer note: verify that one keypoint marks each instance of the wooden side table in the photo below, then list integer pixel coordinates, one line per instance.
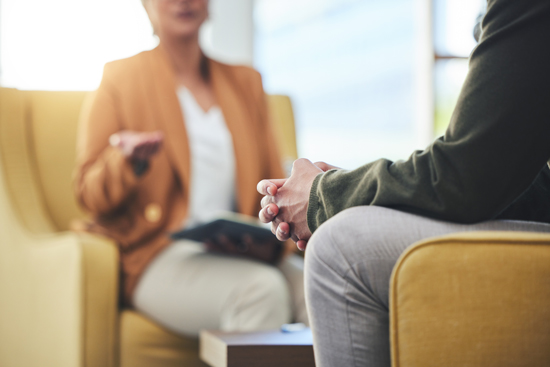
(257, 349)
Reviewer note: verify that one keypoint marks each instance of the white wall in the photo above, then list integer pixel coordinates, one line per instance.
(229, 34)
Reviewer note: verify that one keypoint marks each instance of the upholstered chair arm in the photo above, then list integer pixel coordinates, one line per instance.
(58, 300)
(474, 299)
(100, 270)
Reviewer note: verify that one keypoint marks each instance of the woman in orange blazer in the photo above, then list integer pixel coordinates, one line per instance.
(164, 128)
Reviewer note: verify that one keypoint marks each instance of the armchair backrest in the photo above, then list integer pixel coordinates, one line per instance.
(40, 275)
(282, 117)
(38, 145)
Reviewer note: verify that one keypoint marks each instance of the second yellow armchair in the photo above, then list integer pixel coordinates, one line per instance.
(59, 289)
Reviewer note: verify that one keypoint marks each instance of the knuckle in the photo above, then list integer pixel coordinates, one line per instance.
(274, 208)
(263, 217)
(301, 163)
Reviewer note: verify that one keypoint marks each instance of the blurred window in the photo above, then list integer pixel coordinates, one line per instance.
(454, 22)
(63, 44)
(348, 66)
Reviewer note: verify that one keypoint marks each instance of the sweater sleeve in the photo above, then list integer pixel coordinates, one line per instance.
(497, 142)
(533, 204)
(104, 177)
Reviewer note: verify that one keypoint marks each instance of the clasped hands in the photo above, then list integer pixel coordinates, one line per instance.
(285, 201)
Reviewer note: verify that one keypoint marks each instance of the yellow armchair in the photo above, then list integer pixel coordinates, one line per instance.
(59, 289)
(472, 299)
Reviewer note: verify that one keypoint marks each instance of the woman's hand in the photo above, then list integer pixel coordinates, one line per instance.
(137, 146)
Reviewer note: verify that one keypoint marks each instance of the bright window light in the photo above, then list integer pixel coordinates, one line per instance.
(454, 26)
(63, 44)
(349, 67)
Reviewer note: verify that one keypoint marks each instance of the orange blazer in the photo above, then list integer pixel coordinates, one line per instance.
(139, 93)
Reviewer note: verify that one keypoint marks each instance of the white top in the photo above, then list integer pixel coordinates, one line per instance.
(212, 188)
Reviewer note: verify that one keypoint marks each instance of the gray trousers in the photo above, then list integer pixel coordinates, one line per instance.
(349, 261)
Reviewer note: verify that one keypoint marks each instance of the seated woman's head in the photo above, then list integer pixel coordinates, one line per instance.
(176, 18)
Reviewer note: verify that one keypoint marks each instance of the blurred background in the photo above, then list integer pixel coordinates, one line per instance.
(375, 78)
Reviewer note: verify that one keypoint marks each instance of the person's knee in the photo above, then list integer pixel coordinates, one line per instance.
(324, 263)
(341, 235)
(358, 247)
(320, 248)
(332, 240)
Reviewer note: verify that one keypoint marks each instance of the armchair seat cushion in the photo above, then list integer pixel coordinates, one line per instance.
(145, 344)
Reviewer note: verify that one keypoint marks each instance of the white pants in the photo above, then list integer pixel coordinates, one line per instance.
(186, 289)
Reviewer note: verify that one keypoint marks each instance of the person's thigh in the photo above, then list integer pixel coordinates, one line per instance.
(186, 289)
(349, 261)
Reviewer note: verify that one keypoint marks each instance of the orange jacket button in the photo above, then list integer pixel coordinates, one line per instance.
(153, 213)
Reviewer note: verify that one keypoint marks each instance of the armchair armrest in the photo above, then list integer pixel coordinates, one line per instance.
(58, 290)
(472, 299)
(100, 269)
(58, 300)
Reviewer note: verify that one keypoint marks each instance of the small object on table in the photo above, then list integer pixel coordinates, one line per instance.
(293, 328)
(257, 349)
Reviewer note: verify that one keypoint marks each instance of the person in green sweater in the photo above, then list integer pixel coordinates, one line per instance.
(490, 167)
